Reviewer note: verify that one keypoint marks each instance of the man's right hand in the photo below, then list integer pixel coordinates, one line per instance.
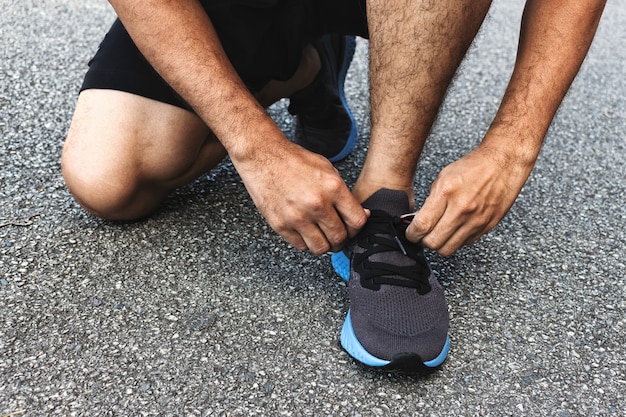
(302, 197)
(300, 194)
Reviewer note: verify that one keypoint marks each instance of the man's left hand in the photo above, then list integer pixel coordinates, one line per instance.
(468, 198)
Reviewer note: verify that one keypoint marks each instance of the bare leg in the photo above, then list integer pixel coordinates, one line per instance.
(125, 153)
(415, 49)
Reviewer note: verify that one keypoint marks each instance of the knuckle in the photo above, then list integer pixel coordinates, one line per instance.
(279, 226)
(468, 207)
(478, 221)
(356, 221)
(298, 245)
(316, 203)
(320, 249)
(292, 216)
(449, 185)
(421, 224)
(338, 238)
(430, 242)
(294, 239)
(334, 182)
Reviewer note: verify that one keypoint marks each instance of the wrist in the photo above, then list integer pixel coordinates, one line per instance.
(253, 139)
(513, 147)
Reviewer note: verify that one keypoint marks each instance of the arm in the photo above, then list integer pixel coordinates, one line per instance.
(178, 39)
(472, 195)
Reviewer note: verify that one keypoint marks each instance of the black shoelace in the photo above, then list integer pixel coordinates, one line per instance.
(374, 238)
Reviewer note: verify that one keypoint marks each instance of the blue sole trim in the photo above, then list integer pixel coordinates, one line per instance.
(354, 348)
(352, 345)
(441, 357)
(354, 134)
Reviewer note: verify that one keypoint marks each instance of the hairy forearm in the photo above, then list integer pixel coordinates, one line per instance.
(555, 37)
(178, 39)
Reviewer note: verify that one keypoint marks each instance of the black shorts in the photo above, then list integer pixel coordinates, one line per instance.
(262, 38)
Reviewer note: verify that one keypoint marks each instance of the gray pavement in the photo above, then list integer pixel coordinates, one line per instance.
(203, 310)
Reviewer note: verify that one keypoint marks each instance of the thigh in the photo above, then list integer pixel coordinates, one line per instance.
(154, 140)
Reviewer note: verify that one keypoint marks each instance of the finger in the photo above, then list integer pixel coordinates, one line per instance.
(295, 239)
(426, 218)
(468, 235)
(351, 212)
(447, 244)
(462, 236)
(334, 230)
(314, 239)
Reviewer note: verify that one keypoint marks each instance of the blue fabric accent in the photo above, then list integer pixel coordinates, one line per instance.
(341, 263)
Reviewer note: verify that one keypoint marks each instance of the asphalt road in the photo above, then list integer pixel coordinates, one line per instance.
(203, 310)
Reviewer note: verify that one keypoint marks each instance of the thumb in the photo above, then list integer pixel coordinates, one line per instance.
(425, 219)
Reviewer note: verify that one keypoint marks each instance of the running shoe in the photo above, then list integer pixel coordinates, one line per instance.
(398, 317)
(324, 122)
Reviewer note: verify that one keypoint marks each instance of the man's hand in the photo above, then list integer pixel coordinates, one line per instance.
(472, 195)
(468, 198)
(302, 197)
(299, 193)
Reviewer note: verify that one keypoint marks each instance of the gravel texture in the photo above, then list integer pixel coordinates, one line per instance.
(202, 310)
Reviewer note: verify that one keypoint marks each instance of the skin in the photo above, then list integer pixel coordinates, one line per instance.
(470, 196)
(319, 220)
(125, 153)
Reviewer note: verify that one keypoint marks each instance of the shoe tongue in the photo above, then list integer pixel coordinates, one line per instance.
(394, 202)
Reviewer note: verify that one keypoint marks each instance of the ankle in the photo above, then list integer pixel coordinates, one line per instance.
(364, 189)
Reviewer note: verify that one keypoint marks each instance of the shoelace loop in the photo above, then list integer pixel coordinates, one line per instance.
(374, 238)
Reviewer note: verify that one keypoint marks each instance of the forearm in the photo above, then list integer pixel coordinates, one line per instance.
(470, 196)
(178, 39)
(555, 37)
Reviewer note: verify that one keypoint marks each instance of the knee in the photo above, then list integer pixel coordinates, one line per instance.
(100, 187)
